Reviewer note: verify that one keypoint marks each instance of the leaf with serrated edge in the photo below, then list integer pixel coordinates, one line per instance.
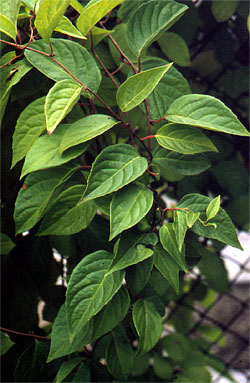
(184, 139)
(128, 206)
(184, 164)
(148, 324)
(94, 11)
(169, 243)
(30, 124)
(72, 56)
(65, 26)
(90, 288)
(32, 200)
(44, 153)
(180, 227)
(48, 16)
(225, 231)
(127, 252)
(116, 166)
(138, 87)
(107, 319)
(167, 266)
(206, 112)
(213, 208)
(69, 214)
(151, 19)
(85, 129)
(59, 102)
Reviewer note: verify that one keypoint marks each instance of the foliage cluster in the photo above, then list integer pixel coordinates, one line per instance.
(99, 121)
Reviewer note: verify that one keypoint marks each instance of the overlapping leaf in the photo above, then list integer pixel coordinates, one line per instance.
(148, 324)
(213, 208)
(65, 26)
(85, 129)
(175, 48)
(93, 12)
(6, 244)
(131, 249)
(103, 322)
(8, 16)
(44, 153)
(180, 227)
(169, 243)
(59, 102)
(115, 167)
(149, 20)
(138, 87)
(129, 205)
(32, 200)
(206, 112)
(223, 10)
(90, 288)
(75, 58)
(224, 232)
(184, 139)
(30, 124)
(66, 368)
(69, 214)
(48, 16)
(185, 164)
(167, 266)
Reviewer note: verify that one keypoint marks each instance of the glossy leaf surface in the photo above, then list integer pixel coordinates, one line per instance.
(115, 167)
(90, 288)
(138, 87)
(183, 139)
(149, 20)
(148, 324)
(206, 112)
(129, 205)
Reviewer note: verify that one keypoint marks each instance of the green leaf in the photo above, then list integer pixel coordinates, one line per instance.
(82, 374)
(44, 153)
(138, 275)
(103, 322)
(184, 164)
(119, 354)
(194, 375)
(69, 214)
(213, 208)
(116, 166)
(167, 266)
(175, 48)
(129, 205)
(90, 288)
(138, 87)
(130, 251)
(148, 324)
(66, 368)
(177, 346)
(30, 124)
(213, 269)
(184, 139)
(151, 19)
(10, 76)
(85, 129)
(34, 197)
(6, 244)
(163, 367)
(223, 10)
(98, 34)
(77, 6)
(48, 16)
(93, 12)
(206, 112)
(75, 58)
(191, 218)
(8, 17)
(6, 343)
(169, 243)
(172, 86)
(225, 231)
(180, 227)
(59, 102)
(65, 26)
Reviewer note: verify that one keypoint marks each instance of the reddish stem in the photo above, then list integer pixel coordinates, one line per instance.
(155, 121)
(23, 333)
(147, 137)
